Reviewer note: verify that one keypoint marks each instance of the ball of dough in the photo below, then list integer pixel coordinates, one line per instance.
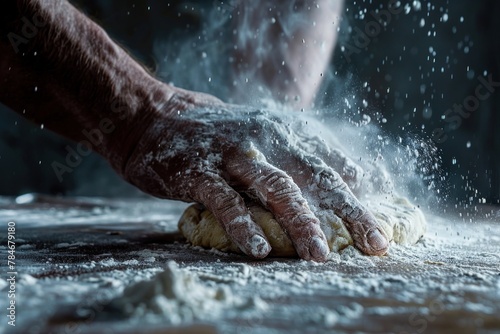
(401, 221)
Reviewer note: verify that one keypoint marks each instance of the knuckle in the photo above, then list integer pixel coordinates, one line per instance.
(304, 221)
(346, 205)
(335, 200)
(330, 181)
(281, 186)
(278, 179)
(352, 171)
(226, 202)
(347, 209)
(197, 183)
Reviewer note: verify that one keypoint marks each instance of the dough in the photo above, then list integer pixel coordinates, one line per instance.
(402, 222)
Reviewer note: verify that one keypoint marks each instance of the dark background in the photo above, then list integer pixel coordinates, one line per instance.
(419, 65)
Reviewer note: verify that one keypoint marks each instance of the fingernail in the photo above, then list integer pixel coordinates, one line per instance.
(259, 247)
(377, 241)
(318, 249)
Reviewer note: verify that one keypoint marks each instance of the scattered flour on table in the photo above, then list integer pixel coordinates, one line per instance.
(458, 273)
(177, 296)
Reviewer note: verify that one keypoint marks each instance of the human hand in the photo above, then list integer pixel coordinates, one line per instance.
(199, 149)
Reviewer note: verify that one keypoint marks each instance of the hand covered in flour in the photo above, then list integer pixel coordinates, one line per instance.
(172, 143)
(200, 149)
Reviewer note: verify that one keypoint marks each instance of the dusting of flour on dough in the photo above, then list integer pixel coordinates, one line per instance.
(401, 221)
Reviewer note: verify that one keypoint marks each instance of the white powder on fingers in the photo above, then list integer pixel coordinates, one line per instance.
(401, 221)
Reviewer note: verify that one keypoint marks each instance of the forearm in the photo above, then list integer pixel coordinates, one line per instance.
(60, 69)
(286, 46)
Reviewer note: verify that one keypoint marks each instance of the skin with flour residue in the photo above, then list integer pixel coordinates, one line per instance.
(401, 221)
(234, 150)
(169, 142)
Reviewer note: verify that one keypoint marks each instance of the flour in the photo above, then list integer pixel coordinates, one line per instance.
(176, 296)
(402, 223)
(72, 245)
(434, 279)
(334, 165)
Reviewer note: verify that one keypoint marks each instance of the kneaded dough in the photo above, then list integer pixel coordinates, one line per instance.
(401, 221)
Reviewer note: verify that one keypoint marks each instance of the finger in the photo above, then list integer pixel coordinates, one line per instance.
(372, 177)
(333, 193)
(230, 210)
(277, 191)
(350, 172)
